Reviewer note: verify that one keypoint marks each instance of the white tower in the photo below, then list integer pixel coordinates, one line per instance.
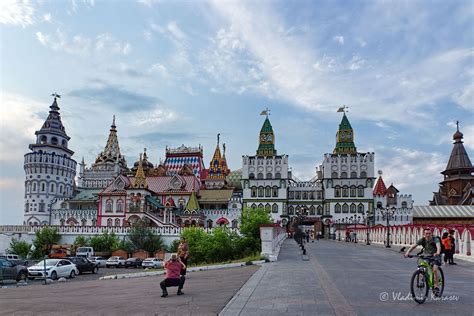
(49, 169)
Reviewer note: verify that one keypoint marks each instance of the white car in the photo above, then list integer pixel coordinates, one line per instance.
(101, 261)
(152, 263)
(55, 268)
(115, 261)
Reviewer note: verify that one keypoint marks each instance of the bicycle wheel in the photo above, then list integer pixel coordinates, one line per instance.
(419, 287)
(441, 281)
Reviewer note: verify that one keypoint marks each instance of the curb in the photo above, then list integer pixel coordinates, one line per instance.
(193, 269)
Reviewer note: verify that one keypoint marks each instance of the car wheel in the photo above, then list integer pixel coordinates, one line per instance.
(54, 275)
(95, 270)
(72, 275)
(126, 267)
(31, 279)
(22, 276)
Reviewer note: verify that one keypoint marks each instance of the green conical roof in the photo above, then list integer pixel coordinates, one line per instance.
(266, 145)
(193, 203)
(267, 126)
(345, 138)
(345, 125)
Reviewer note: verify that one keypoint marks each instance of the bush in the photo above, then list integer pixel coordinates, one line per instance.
(44, 241)
(141, 236)
(19, 247)
(81, 241)
(105, 242)
(173, 247)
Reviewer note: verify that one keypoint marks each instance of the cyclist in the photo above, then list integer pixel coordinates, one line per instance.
(432, 247)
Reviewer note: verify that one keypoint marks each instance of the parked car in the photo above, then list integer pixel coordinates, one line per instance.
(115, 261)
(133, 262)
(85, 252)
(16, 259)
(11, 271)
(55, 268)
(84, 265)
(152, 263)
(99, 260)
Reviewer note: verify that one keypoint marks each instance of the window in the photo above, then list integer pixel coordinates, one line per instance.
(94, 222)
(269, 175)
(345, 208)
(353, 191)
(297, 195)
(119, 206)
(337, 191)
(41, 207)
(268, 192)
(291, 210)
(260, 191)
(275, 208)
(353, 174)
(334, 175)
(379, 205)
(260, 176)
(34, 187)
(235, 223)
(253, 192)
(360, 191)
(337, 208)
(363, 174)
(54, 141)
(108, 206)
(291, 195)
(404, 204)
(43, 140)
(343, 174)
(109, 222)
(320, 210)
(252, 175)
(117, 222)
(277, 175)
(360, 208)
(27, 207)
(83, 222)
(61, 221)
(312, 210)
(305, 195)
(275, 191)
(52, 188)
(268, 208)
(254, 206)
(209, 223)
(60, 189)
(345, 191)
(353, 208)
(42, 187)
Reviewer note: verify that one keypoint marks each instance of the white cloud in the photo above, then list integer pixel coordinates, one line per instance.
(154, 117)
(11, 183)
(148, 3)
(339, 39)
(188, 89)
(160, 69)
(468, 132)
(174, 29)
(78, 44)
(17, 13)
(465, 98)
(19, 121)
(47, 17)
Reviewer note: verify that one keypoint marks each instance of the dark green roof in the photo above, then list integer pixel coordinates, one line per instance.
(345, 125)
(267, 127)
(86, 195)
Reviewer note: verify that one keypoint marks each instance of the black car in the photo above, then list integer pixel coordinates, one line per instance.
(11, 271)
(84, 265)
(133, 262)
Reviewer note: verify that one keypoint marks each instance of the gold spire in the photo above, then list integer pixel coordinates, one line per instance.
(140, 180)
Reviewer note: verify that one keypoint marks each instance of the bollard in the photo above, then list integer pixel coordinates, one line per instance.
(304, 252)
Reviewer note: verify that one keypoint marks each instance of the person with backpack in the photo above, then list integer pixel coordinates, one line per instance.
(431, 247)
(446, 247)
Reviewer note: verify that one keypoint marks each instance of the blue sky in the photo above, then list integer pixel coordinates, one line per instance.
(179, 72)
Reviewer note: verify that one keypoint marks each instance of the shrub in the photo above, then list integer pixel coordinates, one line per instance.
(105, 242)
(141, 236)
(19, 247)
(44, 241)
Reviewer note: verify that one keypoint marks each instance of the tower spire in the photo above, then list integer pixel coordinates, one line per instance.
(345, 136)
(111, 152)
(140, 180)
(266, 145)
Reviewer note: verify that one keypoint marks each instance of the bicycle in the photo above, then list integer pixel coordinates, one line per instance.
(422, 279)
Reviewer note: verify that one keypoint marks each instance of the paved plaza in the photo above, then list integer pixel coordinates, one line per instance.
(338, 279)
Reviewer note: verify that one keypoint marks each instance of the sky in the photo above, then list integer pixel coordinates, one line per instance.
(179, 72)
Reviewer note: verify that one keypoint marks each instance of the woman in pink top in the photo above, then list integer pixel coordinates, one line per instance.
(172, 278)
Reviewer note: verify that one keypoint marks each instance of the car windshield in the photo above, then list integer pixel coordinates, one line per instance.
(82, 249)
(49, 262)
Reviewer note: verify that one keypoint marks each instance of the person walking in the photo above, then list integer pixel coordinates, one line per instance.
(173, 268)
(183, 253)
(453, 247)
(446, 241)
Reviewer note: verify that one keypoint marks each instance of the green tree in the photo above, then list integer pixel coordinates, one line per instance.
(141, 236)
(173, 247)
(104, 242)
(81, 241)
(251, 220)
(197, 241)
(44, 241)
(19, 247)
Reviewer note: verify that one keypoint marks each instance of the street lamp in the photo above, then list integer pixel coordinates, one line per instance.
(388, 213)
(367, 227)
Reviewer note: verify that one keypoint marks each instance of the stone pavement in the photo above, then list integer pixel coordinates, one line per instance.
(346, 279)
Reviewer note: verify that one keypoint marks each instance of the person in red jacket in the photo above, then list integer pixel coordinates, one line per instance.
(172, 278)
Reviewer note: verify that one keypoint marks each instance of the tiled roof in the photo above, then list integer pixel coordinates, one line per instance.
(215, 196)
(380, 188)
(444, 211)
(163, 185)
(86, 195)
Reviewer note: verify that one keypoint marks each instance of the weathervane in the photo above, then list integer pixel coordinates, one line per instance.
(218, 138)
(343, 109)
(265, 112)
(55, 95)
(457, 125)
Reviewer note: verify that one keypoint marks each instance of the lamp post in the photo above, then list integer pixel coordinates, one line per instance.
(367, 227)
(388, 213)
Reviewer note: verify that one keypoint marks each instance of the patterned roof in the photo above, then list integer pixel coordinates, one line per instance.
(233, 179)
(86, 195)
(53, 121)
(215, 196)
(111, 150)
(380, 188)
(443, 211)
(161, 185)
(174, 162)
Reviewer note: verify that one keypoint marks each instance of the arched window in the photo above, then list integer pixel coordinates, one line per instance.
(345, 208)
(269, 175)
(34, 187)
(363, 174)
(312, 210)
(334, 175)
(353, 191)
(108, 205)
(277, 175)
(260, 191)
(360, 191)
(291, 210)
(360, 208)
(268, 208)
(260, 206)
(252, 175)
(345, 191)
(353, 208)
(305, 195)
(254, 206)
(268, 192)
(109, 222)
(94, 222)
(337, 208)
(260, 176)
(209, 223)
(54, 141)
(83, 222)
(353, 174)
(119, 206)
(320, 210)
(117, 222)
(61, 189)
(379, 205)
(52, 188)
(43, 140)
(275, 191)
(235, 223)
(275, 208)
(337, 191)
(253, 192)
(404, 204)
(344, 175)
(42, 187)
(61, 221)
(64, 143)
